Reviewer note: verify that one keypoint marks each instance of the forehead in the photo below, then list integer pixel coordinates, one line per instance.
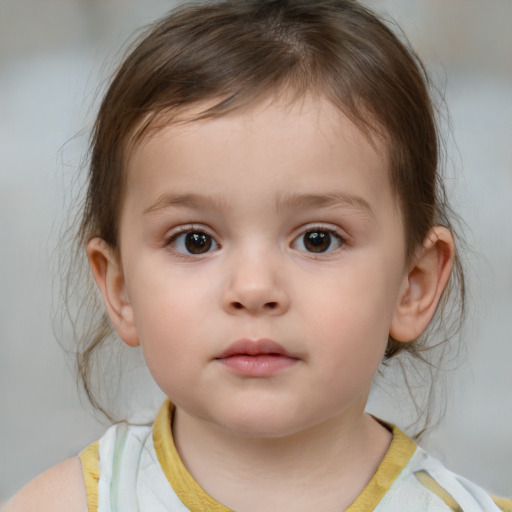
(284, 101)
(276, 144)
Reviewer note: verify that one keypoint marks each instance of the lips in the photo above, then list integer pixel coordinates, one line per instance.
(256, 358)
(254, 348)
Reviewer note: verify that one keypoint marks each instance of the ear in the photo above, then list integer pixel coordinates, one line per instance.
(423, 285)
(108, 274)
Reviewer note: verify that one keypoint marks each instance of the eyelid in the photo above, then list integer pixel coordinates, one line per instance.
(322, 226)
(333, 230)
(175, 233)
(186, 228)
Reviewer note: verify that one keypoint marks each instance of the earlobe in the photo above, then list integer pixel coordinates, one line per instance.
(109, 277)
(423, 285)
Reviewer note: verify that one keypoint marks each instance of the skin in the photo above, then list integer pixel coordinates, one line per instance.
(59, 489)
(255, 184)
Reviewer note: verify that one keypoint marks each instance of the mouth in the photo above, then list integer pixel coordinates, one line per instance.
(256, 358)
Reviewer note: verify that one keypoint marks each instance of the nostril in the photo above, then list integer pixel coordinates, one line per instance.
(267, 305)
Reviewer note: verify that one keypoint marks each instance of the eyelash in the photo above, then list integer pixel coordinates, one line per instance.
(172, 239)
(186, 230)
(333, 234)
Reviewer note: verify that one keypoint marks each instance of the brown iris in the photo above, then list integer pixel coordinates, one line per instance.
(317, 241)
(198, 243)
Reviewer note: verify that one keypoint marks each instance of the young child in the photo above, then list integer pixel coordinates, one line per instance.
(265, 218)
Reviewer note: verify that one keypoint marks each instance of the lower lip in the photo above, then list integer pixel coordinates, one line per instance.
(263, 365)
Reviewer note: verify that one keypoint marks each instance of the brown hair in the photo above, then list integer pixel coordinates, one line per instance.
(230, 53)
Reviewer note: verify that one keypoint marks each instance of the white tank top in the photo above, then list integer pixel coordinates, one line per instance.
(138, 469)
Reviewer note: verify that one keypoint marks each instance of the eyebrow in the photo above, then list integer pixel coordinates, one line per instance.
(328, 200)
(191, 201)
(284, 202)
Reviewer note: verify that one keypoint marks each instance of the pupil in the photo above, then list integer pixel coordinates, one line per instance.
(317, 241)
(198, 243)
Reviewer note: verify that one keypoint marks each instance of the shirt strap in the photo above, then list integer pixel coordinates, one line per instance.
(89, 459)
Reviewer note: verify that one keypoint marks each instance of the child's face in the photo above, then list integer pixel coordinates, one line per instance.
(263, 261)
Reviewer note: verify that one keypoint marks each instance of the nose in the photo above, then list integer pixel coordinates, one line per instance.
(255, 287)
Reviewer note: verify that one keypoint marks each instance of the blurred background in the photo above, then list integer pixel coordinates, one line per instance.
(55, 55)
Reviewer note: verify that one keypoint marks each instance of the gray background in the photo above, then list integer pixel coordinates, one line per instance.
(54, 54)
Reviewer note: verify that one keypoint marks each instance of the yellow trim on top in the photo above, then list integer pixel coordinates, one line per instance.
(89, 459)
(187, 489)
(428, 482)
(400, 451)
(504, 503)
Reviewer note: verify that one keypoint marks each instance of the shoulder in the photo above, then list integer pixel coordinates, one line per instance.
(60, 488)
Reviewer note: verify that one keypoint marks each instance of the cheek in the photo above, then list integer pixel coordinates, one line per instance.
(352, 311)
(168, 314)
(362, 294)
(165, 296)
(169, 334)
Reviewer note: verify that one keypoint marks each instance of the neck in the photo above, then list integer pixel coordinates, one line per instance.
(324, 467)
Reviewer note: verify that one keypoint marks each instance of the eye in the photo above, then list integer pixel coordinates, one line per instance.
(193, 242)
(318, 240)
